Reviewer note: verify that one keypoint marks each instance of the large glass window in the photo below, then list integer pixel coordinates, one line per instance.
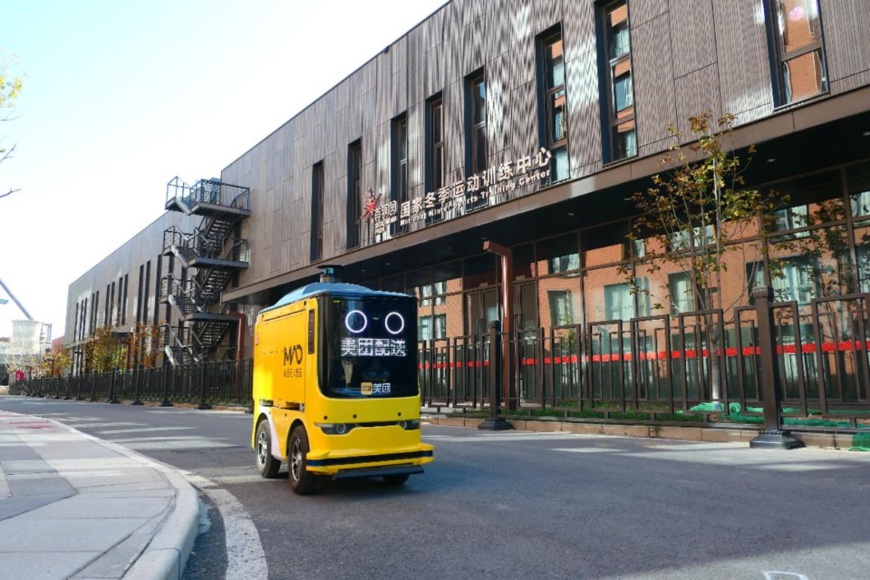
(554, 101)
(622, 136)
(858, 179)
(800, 59)
(448, 296)
(796, 280)
(558, 255)
(371, 348)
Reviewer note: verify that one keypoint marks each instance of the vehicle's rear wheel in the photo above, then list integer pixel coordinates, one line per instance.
(267, 465)
(396, 480)
(301, 480)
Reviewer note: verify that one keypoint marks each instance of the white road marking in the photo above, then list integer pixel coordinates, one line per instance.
(143, 430)
(775, 575)
(245, 555)
(528, 436)
(171, 443)
(585, 450)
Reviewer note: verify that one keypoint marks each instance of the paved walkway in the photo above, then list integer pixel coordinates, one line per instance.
(73, 506)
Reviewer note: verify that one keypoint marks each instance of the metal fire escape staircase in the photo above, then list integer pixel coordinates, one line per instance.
(215, 255)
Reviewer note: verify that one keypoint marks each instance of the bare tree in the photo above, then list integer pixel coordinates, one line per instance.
(10, 88)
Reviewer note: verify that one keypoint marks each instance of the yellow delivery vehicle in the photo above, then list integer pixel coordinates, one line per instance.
(335, 385)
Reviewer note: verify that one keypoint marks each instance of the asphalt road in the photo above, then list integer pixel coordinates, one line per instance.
(515, 505)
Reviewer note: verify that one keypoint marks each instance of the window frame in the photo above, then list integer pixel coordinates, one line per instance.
(317, 185)
(780, 55)
(435, 173)
(354, 194)
(399, 155)
(476, 127)
(546, 98)
(610, 115)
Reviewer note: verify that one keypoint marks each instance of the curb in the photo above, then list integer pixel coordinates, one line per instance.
(735, 434)
(166, 554)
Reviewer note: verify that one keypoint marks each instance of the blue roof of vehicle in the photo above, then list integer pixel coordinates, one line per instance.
(332, 288)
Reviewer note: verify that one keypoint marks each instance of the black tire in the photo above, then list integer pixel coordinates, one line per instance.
(301, 480)
(396, 480)
(267, 465)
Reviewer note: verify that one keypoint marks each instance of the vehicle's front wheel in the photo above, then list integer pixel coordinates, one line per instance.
(301, 480)
(267, 465)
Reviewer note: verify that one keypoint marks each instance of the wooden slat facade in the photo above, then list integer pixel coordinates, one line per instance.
(688, 56)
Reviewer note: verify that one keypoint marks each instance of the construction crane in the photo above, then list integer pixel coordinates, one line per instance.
(15, 300)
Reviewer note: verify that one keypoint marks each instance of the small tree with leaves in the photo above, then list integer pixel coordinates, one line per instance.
(104, 352)
(56, 361)
(144, 345)
(693, 218)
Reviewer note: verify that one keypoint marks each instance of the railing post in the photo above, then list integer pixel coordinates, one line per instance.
(202, 376)
(772, 437)
(166, 402)
(93, 387)
(137, 374)
(494, 423)
(66, 396)
(112, 398)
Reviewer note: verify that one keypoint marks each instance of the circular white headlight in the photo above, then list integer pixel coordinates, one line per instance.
(356, 321)
(400, 323)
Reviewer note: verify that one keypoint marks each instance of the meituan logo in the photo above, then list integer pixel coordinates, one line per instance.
(292, 354)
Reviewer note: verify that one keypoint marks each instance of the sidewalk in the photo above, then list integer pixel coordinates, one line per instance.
(72, 506)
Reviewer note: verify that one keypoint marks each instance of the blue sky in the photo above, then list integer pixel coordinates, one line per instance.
(121, 96)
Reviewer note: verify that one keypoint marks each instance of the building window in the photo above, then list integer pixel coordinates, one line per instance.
(146, 297)
(438, 289)
(399, 178)
(553, 100)
(561, 307)
(619, 300)
(434, 143)
(692, 238)
(621, 133)
(566, 263)
(107, 306)
(800, 61)
(796, 280)
(354, 193)
(432, 327)
(317, 211)
(681, 293)
(475, 134)
(124, 299)
(95, 312)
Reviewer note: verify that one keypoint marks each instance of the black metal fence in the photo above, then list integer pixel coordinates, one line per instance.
(224, 382)
(665, 368)
(660, 366)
